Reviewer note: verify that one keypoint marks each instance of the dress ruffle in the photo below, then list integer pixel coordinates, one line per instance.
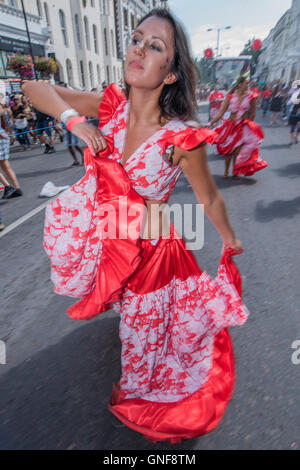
(189, 138)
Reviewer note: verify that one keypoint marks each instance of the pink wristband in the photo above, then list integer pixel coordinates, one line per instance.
(75, 120)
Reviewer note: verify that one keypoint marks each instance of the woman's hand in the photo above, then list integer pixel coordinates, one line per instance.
(91, 136)
(234, 244)
(209, 124)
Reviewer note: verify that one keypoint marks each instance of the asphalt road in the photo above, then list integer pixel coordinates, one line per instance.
(58, 375)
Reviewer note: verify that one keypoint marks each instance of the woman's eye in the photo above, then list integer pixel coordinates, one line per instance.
(134, 40)
(155, 47)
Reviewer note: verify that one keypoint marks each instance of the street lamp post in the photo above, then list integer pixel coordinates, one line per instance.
(218, 36)
(29, 41)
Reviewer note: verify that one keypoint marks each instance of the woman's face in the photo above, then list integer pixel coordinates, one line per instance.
(150, 54)
(244, 86)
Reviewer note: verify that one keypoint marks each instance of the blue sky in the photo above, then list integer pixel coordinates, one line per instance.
(248, 18)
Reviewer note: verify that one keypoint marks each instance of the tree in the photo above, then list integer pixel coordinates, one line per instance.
(254, 54)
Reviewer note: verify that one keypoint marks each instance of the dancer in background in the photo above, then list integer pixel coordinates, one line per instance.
(239, 137)
(177, 359)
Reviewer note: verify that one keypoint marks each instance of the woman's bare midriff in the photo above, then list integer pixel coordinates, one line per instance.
(157, 221)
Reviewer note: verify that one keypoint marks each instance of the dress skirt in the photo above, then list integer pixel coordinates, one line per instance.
(247, 135)
(178, 370)
(177, 359)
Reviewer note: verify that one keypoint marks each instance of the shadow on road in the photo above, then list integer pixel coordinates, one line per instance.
(228, 182)
(275, 147)
(44, 172)
(277, 209)
(58, 398)
(289, 171)
(212, 157)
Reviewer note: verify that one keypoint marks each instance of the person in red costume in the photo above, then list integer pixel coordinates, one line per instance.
(239, 137)
(178, 370)
(215, 99)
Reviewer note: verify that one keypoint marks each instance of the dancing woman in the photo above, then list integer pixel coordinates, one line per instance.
(178, 369)
(239, 137)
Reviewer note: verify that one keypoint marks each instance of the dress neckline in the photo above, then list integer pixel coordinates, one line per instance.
(143, 144)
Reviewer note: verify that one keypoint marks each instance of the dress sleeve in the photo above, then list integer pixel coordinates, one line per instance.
(189, 138)
(112, 98)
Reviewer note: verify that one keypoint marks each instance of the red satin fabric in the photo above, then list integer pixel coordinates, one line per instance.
(112, 98)
(196, 415)
(201, 412)
(188, 139)
(120, 257)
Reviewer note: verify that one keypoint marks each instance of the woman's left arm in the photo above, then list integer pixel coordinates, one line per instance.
(195, 166)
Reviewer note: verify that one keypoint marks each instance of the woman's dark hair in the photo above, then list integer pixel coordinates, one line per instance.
(237, 83)
(178, 99)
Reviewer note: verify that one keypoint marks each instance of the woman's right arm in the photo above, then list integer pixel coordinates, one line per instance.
(222, 111)
(54, 100)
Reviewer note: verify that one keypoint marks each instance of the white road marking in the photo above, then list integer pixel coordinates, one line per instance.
(25, 217)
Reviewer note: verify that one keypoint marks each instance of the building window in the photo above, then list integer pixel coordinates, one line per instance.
(107, 74)
(46, 13)
(82, 74)
(132, 21)
(104, 7)
(105, 41)
(125, 14)
(39, 8)
(12, 3)
(95, 38)
(63, 26)
(69, 72)
(92, 3)
(112, 43)
(87, 33)
(98, 74)
(91, 72)
(77, 30)
(115, 77)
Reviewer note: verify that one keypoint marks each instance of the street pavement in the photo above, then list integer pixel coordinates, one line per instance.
(58, 375)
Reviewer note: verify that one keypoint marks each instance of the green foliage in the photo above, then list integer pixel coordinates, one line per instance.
(46, 66)
(254, 54)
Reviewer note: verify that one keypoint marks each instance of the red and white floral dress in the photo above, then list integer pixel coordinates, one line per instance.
(241, 132)
(178, 369)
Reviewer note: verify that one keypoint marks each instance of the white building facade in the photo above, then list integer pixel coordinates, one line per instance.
(82, 40)
(87, 38)
(13, 37)
(280, 59)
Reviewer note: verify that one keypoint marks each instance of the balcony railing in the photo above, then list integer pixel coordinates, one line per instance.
(16, 12)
